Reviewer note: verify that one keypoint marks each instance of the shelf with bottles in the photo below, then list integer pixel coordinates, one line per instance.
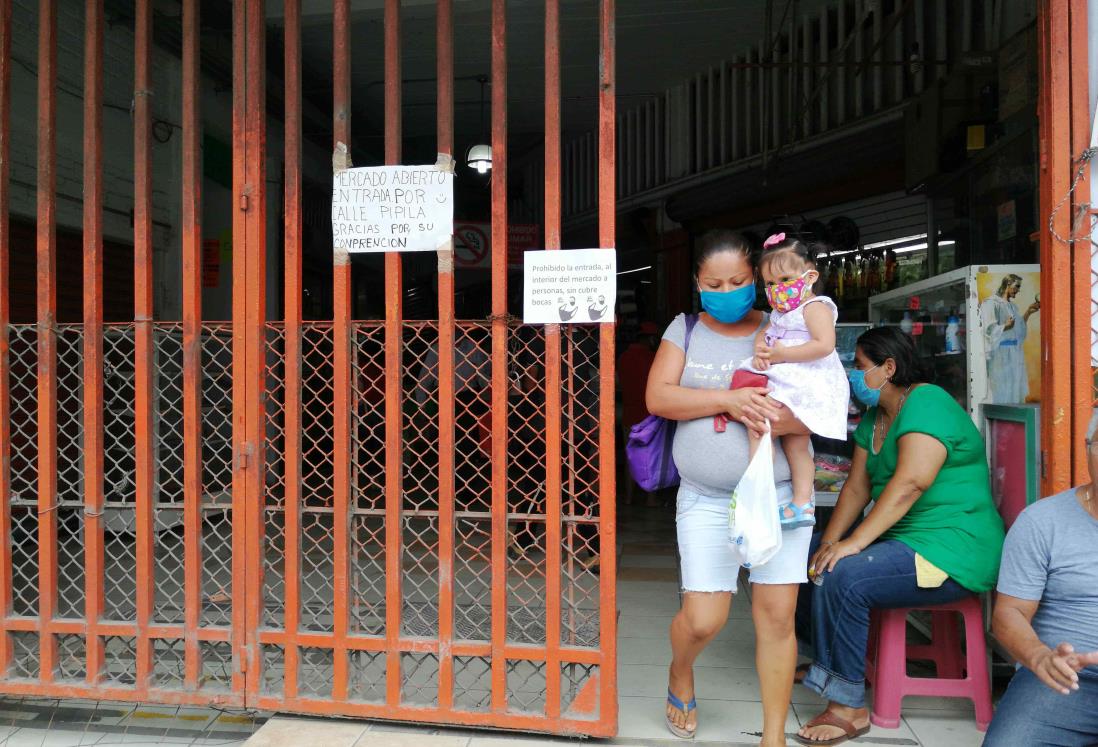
(851, 277)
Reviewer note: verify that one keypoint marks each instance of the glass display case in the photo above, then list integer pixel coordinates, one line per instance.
(832, 456)
(975, 329)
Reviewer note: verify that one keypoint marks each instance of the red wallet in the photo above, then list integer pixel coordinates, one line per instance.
(741, 379)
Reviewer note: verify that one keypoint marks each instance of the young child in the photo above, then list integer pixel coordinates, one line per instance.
(796, 352)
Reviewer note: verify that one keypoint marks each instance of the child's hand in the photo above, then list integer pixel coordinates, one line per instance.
(776, 354)
(761, 361)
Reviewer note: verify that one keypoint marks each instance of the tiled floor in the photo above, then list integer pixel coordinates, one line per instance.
(729, 710)
(51, 723)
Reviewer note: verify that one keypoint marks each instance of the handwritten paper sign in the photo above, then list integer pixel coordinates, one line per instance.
(392, 208)
(569, 287)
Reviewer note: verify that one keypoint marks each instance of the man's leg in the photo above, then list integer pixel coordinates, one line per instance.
(1033, 714)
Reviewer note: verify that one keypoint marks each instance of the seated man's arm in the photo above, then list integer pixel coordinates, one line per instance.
(1013, 627)
(1022, 579)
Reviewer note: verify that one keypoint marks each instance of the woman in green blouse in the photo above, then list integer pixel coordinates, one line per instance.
(932, 536)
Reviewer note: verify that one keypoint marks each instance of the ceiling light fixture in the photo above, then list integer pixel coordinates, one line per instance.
(479, 157)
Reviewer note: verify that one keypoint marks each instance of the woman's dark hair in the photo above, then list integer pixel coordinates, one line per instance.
(784, 250)
(720, 240)
(881, 343)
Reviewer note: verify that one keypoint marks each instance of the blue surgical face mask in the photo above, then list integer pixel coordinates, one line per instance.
(731, 306)
(864, 393)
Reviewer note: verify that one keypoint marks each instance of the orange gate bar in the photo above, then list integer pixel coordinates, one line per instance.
(1066, 278)
(5, 340)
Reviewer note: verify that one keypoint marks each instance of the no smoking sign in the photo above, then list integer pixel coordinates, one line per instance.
(471, 246)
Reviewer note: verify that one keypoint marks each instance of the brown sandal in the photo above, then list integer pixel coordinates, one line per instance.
(828, 718)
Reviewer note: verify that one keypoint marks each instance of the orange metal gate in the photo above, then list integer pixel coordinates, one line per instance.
(260, 513)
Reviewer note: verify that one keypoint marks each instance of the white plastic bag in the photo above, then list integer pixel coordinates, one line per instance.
(754, 528)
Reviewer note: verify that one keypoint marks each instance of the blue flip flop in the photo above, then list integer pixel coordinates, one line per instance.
(799, 518)
(686, 708)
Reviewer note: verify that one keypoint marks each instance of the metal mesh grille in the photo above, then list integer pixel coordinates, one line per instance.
(168, 492)
(71, 658)
(23, 387)
(274, 541)
(314, 672)
(274, 670)
(580, 448)
(526, 686)
(366, 678)
(472, 683)
(120, 661)
(25, 663)
(573, 679)
(168, 663)
(524, 572)
(217, 665)
(419, 679)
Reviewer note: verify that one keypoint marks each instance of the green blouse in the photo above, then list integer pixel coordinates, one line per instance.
(954, 524)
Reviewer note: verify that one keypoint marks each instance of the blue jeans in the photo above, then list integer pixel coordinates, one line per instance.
(882, 576)
(1033, 714)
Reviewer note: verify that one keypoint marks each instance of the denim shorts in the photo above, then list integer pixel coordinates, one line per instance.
(706, 561)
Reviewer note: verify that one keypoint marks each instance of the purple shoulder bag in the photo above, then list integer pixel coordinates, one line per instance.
(648, 448)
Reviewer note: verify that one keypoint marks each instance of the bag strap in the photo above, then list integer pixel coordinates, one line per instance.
(691, 321)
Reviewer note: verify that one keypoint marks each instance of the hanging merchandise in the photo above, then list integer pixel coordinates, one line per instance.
(890, 270)
(873, 278)
(832, 286)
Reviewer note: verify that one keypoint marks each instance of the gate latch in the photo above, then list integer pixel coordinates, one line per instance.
(244, 455)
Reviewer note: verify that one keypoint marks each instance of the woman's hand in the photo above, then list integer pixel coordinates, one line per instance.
(753, 407)
(828, 556)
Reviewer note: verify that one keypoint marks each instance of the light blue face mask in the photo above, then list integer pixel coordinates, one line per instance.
(729, 307)
(864, 393)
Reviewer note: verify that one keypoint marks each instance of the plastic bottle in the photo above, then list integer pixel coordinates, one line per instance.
(906, 324)
(952, 335)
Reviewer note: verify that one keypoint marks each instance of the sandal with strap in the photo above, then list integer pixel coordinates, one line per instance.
(802, 516)
(686, 708)
(829, 718)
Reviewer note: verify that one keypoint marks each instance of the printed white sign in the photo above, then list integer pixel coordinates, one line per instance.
(392, 209)
(577, 286)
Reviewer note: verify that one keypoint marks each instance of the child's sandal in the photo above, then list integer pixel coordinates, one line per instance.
(799, 516)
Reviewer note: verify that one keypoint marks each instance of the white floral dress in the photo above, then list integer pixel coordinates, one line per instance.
(816, 391)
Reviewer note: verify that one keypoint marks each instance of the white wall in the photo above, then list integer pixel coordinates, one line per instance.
(118, 160)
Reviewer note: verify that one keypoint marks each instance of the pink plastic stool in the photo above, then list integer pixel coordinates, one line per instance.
(886, 663)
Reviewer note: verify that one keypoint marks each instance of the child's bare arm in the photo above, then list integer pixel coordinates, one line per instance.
(821, 325)
(761, 361)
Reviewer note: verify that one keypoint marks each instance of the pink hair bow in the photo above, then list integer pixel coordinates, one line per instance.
(774, 240)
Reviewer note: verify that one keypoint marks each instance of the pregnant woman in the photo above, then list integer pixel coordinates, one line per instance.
(692, 388)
